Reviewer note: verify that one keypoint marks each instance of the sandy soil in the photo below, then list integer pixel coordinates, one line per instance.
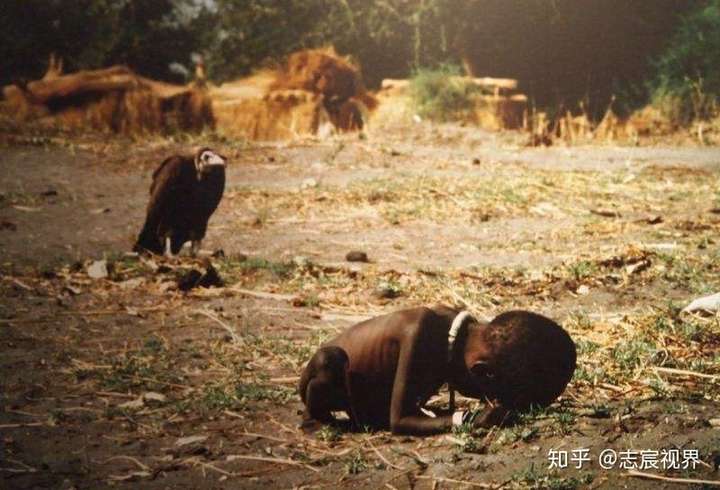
(519, 222)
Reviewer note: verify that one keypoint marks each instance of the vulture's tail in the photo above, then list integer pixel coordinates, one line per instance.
(148, 242)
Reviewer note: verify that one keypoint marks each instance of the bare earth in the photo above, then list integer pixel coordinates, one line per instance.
(104, 380)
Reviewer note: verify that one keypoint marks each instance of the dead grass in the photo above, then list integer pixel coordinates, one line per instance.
(638, 194)
(121, 339)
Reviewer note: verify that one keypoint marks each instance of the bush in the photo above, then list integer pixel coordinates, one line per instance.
(687, 81)
(442, 94)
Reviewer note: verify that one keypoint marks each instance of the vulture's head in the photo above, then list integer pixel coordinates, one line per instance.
(206, 159)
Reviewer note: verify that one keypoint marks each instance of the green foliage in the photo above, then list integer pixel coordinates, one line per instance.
(562, 51)
(442, 95)
(147, 35)
(328, 433)
(534, 478)
(582, 269)
(356, 463)
(222, 396)
(687, 81)
(256, 31)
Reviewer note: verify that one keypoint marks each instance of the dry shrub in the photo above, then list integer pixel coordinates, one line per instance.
(441, 95)
(314, 88)
(112, 99)
(348, 115)
(496, 112)
(394, 105)
(255, 86)
(322, 71)
(610, 128)
(282, 114)
(575, 128)
(648, 121)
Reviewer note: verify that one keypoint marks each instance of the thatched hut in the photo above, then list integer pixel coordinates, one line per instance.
(496, 106)
(112, 99)
(316, 91)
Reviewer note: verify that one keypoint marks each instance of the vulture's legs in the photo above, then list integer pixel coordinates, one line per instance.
(195, 247)
(168, 250)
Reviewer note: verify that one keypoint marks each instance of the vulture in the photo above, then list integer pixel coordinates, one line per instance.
(184, 193)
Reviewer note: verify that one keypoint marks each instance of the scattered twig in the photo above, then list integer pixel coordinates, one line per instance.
(214, 468)
(25, 467)
(235, 337)
(111, 312)
(263, 295)
(233, 457)
(610, 387)
(18, 470)
(21, 284)
(689, 481)
(459, 482)
(233, 414)
(684, 372)
(263, 436)
(383, 458)
(115, 394)
(414, 455)
(606, 213)
(18, 426)
(285, 379)
(140, 465)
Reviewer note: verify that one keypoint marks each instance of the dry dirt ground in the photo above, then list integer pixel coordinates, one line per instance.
(124, 381)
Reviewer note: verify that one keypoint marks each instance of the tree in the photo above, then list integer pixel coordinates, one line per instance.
(687, 77)
(144, 34)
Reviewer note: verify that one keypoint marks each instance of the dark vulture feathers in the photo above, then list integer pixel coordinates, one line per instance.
(184, 193)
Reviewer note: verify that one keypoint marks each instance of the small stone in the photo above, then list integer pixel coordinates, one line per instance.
(301, 261)
(152, 396)
(583, 290)
(189, 280)
(98, 269)
(211, 278)
(167, 286)
(195, 278)
(136, 404)
(132, 283)
(48, 274)
(356, 256)
(184, 441)
(309, 183)
(385, 292)
(476, 161)
(8, 225)
(72, 290)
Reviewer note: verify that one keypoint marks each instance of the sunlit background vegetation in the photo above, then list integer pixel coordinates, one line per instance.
(566, 54)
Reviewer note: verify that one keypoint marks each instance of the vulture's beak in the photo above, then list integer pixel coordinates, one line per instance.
(216, 160)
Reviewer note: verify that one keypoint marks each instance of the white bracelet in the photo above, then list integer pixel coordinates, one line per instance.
(457, 418)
